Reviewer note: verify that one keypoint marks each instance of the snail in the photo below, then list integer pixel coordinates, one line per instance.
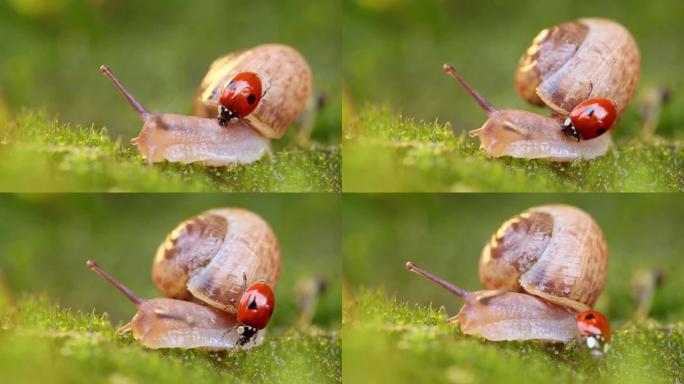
(543, 271)
(218, 270)
(246, 98)
(585, 71)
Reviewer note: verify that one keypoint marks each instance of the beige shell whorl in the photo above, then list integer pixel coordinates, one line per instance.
(205, 257)
(286, 78)
(556, 252)
(579, 60)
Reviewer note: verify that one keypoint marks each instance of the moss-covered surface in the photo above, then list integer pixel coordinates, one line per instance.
(41, 342)
(408, 343)
(385, 151)
(41, 154)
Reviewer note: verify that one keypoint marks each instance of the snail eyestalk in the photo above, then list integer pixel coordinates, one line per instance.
(144, 113)
(137, 300)
(486, 105)
(411, 267)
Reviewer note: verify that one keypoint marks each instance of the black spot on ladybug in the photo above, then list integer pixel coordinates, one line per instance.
(588, 316)
(600, 131)
(252, 305)
(251, 98)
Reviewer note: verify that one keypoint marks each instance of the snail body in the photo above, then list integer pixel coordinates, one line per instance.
(243, 136)
(542, 270)
(566, 65)
(218, 270)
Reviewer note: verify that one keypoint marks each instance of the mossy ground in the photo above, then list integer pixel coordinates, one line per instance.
(41, 342)
(389, 340)
(39, 154)
(385, 151)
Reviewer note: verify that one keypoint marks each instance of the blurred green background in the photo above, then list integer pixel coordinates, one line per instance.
(446, 233)
(46, 239)
(50, 51)
(394, 49)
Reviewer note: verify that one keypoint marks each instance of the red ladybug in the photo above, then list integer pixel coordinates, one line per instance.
(254, 311)
(590, 118)
(595, 331)
(239, 97)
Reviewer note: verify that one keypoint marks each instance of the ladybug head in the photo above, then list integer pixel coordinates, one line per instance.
(594, 330)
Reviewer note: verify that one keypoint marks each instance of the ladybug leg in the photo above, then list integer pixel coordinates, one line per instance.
(231, 329)
(244, 287)
(266, 89)
(246, 121)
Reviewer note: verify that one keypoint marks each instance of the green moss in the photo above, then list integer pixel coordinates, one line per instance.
(388, 152)
(41, 342)
(39, 154)
(386, 340)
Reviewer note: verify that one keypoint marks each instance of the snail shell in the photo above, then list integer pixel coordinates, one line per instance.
(579, 60)
(206, 257)
(556, 252)
(287, 82)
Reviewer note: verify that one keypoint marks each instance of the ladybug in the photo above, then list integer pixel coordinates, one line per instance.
(254, 311)
(590, 118)
(239, 97)
(594, 330)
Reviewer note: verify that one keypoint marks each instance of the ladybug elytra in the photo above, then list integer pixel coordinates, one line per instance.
(239, 97)
(590, 119)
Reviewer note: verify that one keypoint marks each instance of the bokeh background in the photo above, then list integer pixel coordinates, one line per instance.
(45, 241)
(394, 50)
(50, 52)
(446, 233)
